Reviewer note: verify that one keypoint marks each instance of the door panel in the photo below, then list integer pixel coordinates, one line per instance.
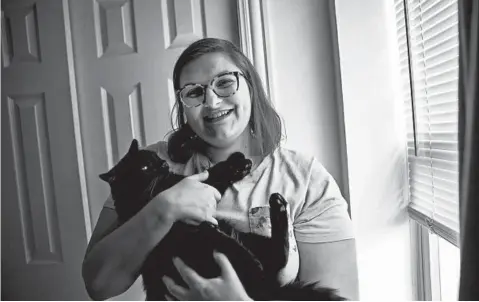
(43, 229)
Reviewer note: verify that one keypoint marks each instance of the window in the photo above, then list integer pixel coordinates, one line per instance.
(449, 265)
(427, 35)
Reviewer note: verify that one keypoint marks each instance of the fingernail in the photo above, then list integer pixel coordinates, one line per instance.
(165, 280)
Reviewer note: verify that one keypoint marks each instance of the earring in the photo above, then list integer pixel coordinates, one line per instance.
(251, 130)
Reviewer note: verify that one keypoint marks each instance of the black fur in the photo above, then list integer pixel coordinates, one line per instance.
(141, 174)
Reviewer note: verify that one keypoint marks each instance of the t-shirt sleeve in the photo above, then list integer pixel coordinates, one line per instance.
(324, 215)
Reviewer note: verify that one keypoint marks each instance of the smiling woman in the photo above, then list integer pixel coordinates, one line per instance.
(221, 108)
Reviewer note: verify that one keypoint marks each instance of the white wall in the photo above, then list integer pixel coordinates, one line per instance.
(303, 82)
(375, 147)
(340, 103)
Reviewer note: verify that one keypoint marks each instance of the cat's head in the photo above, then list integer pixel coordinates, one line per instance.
(135, 171)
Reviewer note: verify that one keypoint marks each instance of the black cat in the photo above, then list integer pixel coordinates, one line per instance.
(141, 174)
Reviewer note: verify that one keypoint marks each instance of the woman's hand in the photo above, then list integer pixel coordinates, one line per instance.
(225, 287)
(190, 201)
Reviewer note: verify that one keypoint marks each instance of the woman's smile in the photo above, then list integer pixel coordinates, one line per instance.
(218, 116)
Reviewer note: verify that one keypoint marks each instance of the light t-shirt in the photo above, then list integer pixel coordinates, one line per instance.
(317, 210)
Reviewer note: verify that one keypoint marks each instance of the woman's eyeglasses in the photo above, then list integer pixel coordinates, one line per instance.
(223, 85)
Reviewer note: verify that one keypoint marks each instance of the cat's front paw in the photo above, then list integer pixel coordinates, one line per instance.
(279, 215)
(235, 168)
(238, 166)
(277, 203)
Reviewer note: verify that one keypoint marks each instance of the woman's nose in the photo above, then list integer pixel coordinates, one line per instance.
(211, 99)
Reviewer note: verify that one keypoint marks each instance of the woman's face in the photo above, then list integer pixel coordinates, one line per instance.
(226, 130)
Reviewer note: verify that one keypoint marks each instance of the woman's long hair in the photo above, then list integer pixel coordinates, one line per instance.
(264, 122)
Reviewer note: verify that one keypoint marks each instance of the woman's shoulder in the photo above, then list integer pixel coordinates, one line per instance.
(300, 162)
(295, 157)
(161, 148)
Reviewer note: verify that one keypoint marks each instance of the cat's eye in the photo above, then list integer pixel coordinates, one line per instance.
(144, 168)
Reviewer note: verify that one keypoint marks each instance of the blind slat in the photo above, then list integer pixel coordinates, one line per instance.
(441, 97)
(451, 176)
(436, 67)
(437, 127)
(438, 118)
(436, 154)
(443, 24)
(428, 42)
(435, 145)
(426, 17)
(439, 163)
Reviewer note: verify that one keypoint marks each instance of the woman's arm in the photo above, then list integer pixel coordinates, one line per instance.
(115, 254)
(333, 264)
(325, 236)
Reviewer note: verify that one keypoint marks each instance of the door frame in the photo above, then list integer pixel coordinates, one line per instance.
(76, 119)
(254, 38)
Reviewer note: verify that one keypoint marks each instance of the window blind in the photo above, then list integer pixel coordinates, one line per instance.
(427, 35)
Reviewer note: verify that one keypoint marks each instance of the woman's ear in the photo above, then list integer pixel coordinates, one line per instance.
(185, 119)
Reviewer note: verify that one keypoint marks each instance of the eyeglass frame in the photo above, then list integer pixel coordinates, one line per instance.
(204, 87)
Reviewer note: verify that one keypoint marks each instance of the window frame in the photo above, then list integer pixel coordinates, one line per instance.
(425, 260)
(424, 246)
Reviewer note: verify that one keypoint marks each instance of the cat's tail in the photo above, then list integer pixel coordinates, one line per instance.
(298, 291)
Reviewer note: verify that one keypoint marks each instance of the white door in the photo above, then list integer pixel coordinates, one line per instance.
(43, 226)
(123, 56)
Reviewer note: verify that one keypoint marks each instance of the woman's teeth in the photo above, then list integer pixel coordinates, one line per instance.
(217, 115)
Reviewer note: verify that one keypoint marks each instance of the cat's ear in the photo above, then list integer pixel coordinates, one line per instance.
(133, 147)
(108, 177)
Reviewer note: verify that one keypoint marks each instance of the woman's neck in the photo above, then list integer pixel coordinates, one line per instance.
(243, 144)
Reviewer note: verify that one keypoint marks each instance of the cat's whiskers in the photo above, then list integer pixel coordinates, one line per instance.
(152, 186)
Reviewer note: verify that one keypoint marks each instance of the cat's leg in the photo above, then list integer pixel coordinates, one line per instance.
(245, 263)
(273, 252)
(279, 232)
